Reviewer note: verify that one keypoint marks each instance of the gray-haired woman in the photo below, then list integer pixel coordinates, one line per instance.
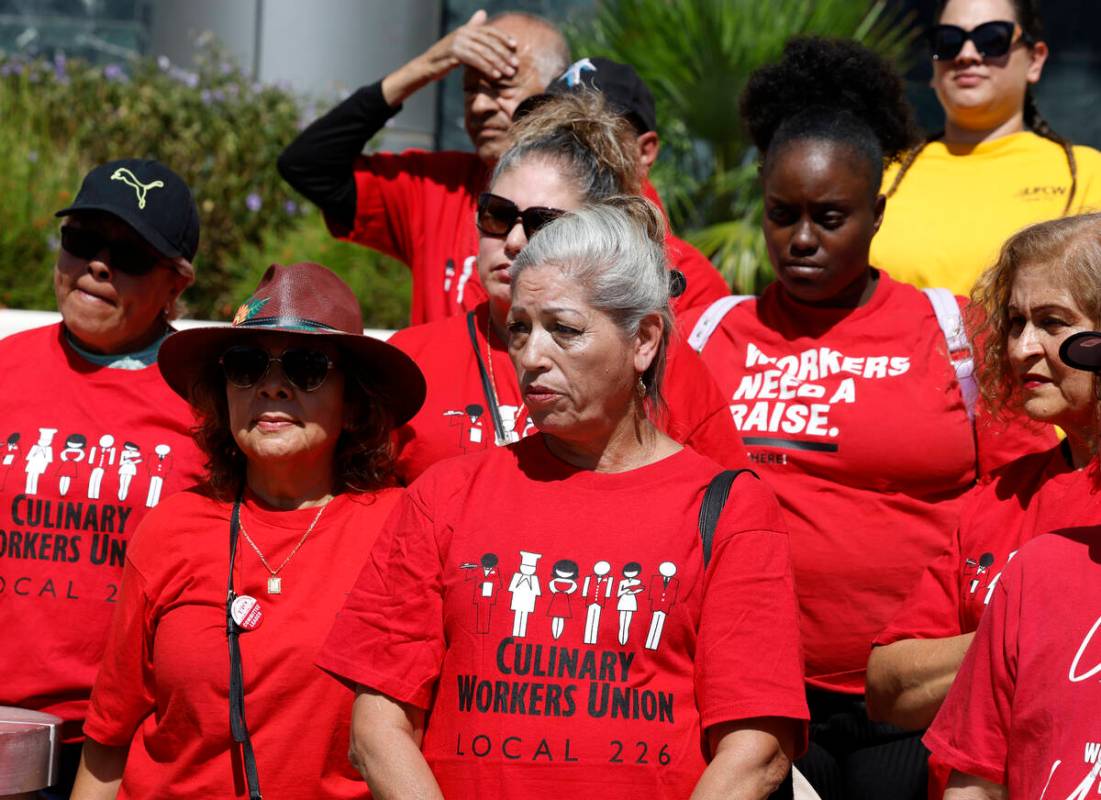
(462, 690)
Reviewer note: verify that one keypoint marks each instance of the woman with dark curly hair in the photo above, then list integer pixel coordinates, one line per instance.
(844, 385)
(1045, 287)
(987, 56)
(295, 408)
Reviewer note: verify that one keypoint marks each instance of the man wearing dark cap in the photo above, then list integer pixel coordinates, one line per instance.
(625, 92)
(418, 206)
(127, 245)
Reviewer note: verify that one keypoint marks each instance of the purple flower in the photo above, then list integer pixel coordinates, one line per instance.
(113, 72)
(219, 96)
(59, 65)
(205, 96)
(290, 207)
(253, 202)
(226, 67)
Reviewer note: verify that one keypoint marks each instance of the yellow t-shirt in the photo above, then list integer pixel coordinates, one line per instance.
(957, 205)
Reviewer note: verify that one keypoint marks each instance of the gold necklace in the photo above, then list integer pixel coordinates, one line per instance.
(509, 436)
(275, 583)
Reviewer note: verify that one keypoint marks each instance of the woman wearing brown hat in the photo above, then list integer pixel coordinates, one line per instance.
(295, 410)
(93, 438)
(541, 620)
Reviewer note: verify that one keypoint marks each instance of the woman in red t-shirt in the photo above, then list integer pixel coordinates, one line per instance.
(299, 461)
(569, 151)
(1045, 287)
(1020, 719)
(845, 392)
(490, 636)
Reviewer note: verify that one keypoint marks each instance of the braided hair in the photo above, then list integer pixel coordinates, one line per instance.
(835, 90)
(1028, 17)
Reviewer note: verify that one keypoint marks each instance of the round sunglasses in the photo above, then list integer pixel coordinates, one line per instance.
(497, 215)
(128, 257)
(246, 366)
(992, 39)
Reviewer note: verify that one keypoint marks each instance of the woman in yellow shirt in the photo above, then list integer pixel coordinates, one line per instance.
(997, 167)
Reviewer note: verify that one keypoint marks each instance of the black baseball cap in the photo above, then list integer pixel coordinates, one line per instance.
(147, 196)
(621, 86)
(1082, 351)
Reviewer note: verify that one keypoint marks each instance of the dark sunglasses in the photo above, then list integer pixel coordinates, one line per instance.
(496, 216)
(128, 257)
(245, 366)
(992, 39)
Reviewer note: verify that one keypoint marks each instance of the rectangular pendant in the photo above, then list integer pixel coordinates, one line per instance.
(275, 585)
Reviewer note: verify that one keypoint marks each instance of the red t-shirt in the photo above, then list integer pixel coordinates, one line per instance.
(85, 452)
(164, 687)
(855, 418)
(1023, 710)
(419, 207)
(455, 417)
(997, 518)
(561, 627)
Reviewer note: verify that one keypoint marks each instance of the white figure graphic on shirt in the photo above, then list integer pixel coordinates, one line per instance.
(158, 467)
(562, 585)
(70, 458)
(104, 456)
(509, 417)
(129, 459)
(596, 590)
(524, 588)
(39, 458)
(8, 456)
(663, 596)
(627, 604)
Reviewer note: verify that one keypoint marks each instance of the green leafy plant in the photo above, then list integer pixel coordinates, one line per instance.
(696, 56)
(213, 125)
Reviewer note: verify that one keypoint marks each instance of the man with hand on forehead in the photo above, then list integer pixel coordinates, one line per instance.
(419, 206)
(629, 96)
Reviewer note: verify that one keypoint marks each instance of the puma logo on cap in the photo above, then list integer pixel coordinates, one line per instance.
(131, 180)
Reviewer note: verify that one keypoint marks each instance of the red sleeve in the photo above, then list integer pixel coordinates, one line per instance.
(970, 733)
(388, 186)
(697, 414)
(123, 693)
(749, 597)
(705, 284)
(389, 635)
(932, 610)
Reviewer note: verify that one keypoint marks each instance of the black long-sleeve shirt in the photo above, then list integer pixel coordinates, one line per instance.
(320, 162)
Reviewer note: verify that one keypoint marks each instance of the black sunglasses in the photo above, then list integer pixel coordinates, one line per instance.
(496, 216)
(129, 257)
(992, 39)
(245, 366)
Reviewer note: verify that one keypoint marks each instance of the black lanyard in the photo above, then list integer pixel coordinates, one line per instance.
(487, 384)
(237, 725)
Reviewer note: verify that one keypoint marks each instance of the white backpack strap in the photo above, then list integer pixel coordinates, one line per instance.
(710, 319)
(950, 319)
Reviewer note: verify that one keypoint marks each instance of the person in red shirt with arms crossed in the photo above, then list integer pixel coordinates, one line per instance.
(1045, 288)
(573, 677)
(842, 385)
(295, 408)
(94, 437)
(1021, 717)
(569, 151)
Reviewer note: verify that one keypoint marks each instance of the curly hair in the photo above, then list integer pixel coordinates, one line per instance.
(1069, 249)
(363, 461)
(835, 90)
(596, 147)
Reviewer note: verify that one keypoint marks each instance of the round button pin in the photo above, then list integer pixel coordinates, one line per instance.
(246, 612)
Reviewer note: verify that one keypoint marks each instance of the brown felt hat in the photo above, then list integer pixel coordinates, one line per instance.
(310, 300)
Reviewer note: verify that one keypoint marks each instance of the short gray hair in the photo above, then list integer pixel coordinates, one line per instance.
(550, 53)
(615, 251)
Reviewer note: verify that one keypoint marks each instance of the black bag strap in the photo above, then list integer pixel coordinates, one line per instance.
(237, 725)
(487, 384)
(714, 499)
